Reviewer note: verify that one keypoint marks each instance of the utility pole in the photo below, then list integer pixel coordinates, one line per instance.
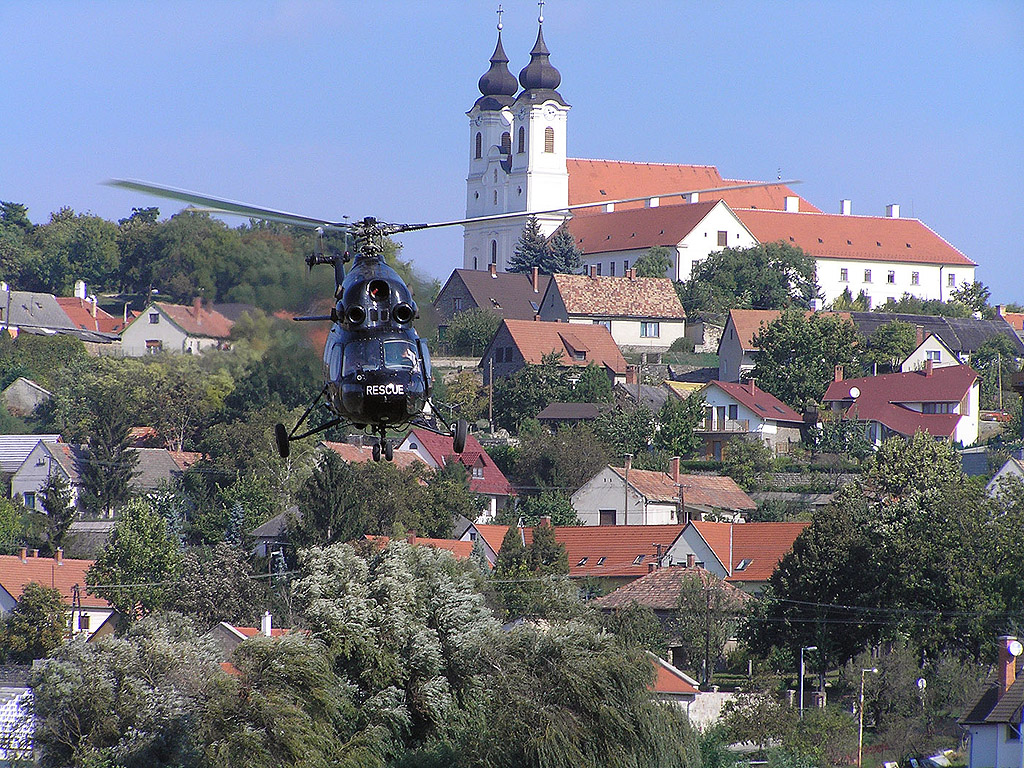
(490, 396)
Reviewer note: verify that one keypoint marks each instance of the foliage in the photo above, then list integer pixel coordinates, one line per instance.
(996, 361)
(106, 466)
(470, 331)
(912, 305)
(565, 257)
(530, 390)
(466, 394)
(562, 461)
(627, 429)
(637, 625)
(708, 611)
(678, 421)
(747, 461)
(531, 250)
(798, 354)
(889, 345)
(593, 386)
(555, 505)
(975, 297)
(845, 302)
(841, 436)
(215, 586)
(56, 498)
(36, 625)
(656, 261)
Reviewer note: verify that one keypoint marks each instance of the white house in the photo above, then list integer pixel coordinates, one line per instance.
(743, 408)
(14, 449)
(993, 719)
(165, 327)
(930, 349)
(1012, 470)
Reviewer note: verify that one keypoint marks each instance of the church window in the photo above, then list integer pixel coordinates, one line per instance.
(495, 175)
(723, 238)
(479, 146)
(494, 251)
(549, 140)
(495, 197)
(475, 265)
(522, 140)
(506, 143)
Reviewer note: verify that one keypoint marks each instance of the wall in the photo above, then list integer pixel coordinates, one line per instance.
(932, 279)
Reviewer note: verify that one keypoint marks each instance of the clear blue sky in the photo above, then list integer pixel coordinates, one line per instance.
(358, 108)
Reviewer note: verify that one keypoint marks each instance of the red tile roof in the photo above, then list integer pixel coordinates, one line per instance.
(441, 450)
(612, 550)
(669, 680)
(628, 229)
(492, 535)
(712, 491)
(15, 574)
(749, 322)
(883, 398)
(79, 311)
(253, 631)
(869, 238)
(660, 589)
(185, 459)
(641, 297)
(461, 549)
(207, 323)
(762, 544)
(358, 454)
(535, 339)
(1015, 319)
(596, 180)
(764, 404)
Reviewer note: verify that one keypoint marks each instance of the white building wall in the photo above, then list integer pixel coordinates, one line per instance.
(627, 332)
(931, 348)
(689, 542)
(967, 428)
(606, 491)
(135, 336)
(932, 281)
(732, 362)
(716, 398)
(32, 475)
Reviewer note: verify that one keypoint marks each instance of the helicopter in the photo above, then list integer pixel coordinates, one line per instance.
(377, 370)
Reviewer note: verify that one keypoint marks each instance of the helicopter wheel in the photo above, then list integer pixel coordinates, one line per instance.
(281, 438)
(376, 451)
(389, 451)
(461, 431)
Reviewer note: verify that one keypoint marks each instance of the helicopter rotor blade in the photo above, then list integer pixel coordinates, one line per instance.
(209, 204)
(399, 228)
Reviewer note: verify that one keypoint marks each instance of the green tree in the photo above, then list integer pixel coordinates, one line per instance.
(677, 422)
(593, 386)
(36, 625)
(470, 331)
(217, 585)
(329, 505)
(134, 571)
(562, 461)
(912, 305)
(889, 345)
(78, 247)
(996, 361)
(747, 461)
(555, 505)
(845, 302)
(798, 355)
(565, 257)
(708, 612)
(466, 394)
(531, 250)
(628, 429)
(106, 466)
(56, 497)
(530, 390)
(975, 297)
(654, 262)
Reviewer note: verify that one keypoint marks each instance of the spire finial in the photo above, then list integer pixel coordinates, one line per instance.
(540, 16)
(500, 11)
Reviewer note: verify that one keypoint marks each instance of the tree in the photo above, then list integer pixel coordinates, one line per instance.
(555, 505)
(466, 394)
(530, 390)
(996, 361)
(470, 331)
(629, 429)
(708, 611)
(134, 570)
(593, 386)
(845, 302)
(56, 497)
(798, 355)
(531, 250)
(912, 305)
(656, 261)
(106, 466)
(565, 257)
(329, 505)
(975, 297)
(747, 461)
(677, 422)
(889, 345)
(215, 586)
(562, 461)
(36, 626)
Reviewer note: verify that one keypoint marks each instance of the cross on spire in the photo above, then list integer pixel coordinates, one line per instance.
(540, 16)
(500, 11)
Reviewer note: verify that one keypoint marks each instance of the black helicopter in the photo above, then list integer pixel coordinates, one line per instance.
(377, 372)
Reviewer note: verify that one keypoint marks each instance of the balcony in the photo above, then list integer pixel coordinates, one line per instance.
(724, 425)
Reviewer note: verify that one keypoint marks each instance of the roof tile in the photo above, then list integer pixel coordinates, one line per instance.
(640, 297)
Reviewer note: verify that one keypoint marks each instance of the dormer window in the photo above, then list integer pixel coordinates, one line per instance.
(743, 564)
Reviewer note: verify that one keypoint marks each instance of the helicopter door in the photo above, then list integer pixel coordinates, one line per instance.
(425, 366)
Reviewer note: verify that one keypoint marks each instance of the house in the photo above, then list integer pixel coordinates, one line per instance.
(14, 449)
(636, 394)
(460, 549)
(86, 610)
(163, 327)
(743, 554)
(557, 414)
(272, 536)
(520, 342)
(962, 335)
(643, 314)
(623, 496)
(85, 314)
(484, 476)
(733, 409)
(944, 402)
(360, 454)
(993, 719)
(672, 685)
(510, 295)
(1012, 470)
(31, 312)
(227, 636)
(23, 395)
(930, 348)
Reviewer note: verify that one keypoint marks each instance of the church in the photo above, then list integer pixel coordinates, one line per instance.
(518, 141)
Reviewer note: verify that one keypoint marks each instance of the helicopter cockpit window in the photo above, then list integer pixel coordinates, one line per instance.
(399, 354)
(361, 354)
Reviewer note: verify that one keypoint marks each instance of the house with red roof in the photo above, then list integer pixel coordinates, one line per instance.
(510, 295)
(84, 313)
(624, 496)
(360, 454)
(485, 478)
(643, 314)
(520, 342)
(943, 402)
(67, 575)
(459, 548)
(743, 554)
(744, 409)
(227, 636)
(163, 327)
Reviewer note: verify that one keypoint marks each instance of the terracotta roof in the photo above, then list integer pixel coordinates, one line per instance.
(185, 459)
(711, 491)
(883, 398)
(79, 311)
(358, 454)
(253, 631)
(760, 545)
(629, 229)
(659, 590)
(535, 339)
(207, 323)
(868, 238)
(1015, 319)
(461, 549)
(441, 450)
(749, 322)
(640, 297)
(15, 574)
(507, 294)
(764, 404)
(595, 180)
(669, 680)
(612, 550)
(492, 535)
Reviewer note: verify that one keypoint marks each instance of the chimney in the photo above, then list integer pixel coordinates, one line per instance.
(920, 335)
(651, 567)
(545, 521)
(693, 197)
(79, 289)
(690, 559)
(197, 304)
(34, 552)
(493, 269)
(92, 310)
(23, 554)
(59, 555)
(1007, 662)
(1000, 310)
(631, 374)
(266, 625)
(752, 385)
(846, 207)
(536, 279)
(653, 202)
(673, 469)
(838, 374)
(629, 461)
(792, 203)
(929, 367)
(632, 273)
(892, 211)
(593, 271)
(609, 207)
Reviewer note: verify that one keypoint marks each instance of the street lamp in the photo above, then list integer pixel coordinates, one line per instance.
(804, 648)
(860, 713)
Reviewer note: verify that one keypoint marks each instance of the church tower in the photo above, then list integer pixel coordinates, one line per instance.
(517, 153)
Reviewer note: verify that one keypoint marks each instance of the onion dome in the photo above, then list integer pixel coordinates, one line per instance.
(497, 85)
(539, 78)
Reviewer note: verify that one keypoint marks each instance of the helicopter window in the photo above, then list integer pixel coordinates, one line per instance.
(361, 354)
(399, 354)
(334, 361)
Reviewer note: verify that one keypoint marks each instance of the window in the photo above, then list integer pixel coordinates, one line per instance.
(582, 562)
(479, 146)
(625, 266)
(30, 499)
(607, 517)
(599, 268)
(937, 408)
(890, 277)
(506, 143)
(361, 354)
(915, 278)
(650, 330)
(935, 355)
(495, 197)
(611, 269)
(743, 564)
(478, 472)
(723, 238)
(494, 249)
(951, 280)
(639, 560)
(606, 323)
(457, 304)
(154, 346)
(549, 140)
(522, 140)
(83, 621)
(733, 412)
(399, 354)
(867, 275)
(154, 318)
(844, 275)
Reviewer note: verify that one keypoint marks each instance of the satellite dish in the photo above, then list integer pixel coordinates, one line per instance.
(854, 392)
(1015, 648)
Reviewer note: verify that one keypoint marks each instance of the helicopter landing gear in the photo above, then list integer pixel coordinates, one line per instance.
(281, 438)
(459, 433)
(384, 447)
(376, 451)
